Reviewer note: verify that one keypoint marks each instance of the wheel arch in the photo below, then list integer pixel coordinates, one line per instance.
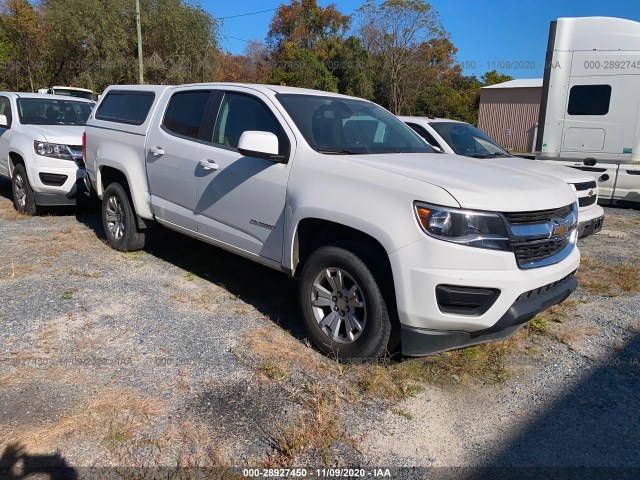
(312, 233)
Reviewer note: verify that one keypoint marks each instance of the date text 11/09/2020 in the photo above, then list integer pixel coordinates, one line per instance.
(317, 472)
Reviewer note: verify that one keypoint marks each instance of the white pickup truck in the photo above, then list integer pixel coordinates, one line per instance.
(391, 243)
(41, 148)
(453, 136)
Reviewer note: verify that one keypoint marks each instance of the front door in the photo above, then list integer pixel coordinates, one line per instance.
(241, 199)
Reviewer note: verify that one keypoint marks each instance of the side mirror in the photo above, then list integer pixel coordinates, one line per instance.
(253, 143)
(589, 162)
(3, 121)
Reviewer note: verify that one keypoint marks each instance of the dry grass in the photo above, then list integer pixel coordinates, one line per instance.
(562, 312)
(597, 277)
(571, 336)
(317, 428)
(272, 370)
(397, 381)
(8, 211)
(201, 301)
(111, 415)
(620, 222)
(272, 344)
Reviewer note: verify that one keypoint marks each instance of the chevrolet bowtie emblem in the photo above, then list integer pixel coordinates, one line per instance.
(560, 229)
(590, 193)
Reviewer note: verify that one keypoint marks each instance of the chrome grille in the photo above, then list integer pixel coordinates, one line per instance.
(540, 216)
(532, 251)
(543, 237)
(582, 186)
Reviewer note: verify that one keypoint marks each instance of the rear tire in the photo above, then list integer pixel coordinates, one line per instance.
(24, 200)
(119, 220)
(343, 308)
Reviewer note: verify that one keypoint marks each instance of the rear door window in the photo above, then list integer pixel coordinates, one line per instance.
(185, 112)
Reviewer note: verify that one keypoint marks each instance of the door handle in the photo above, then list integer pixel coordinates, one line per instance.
(156, 151)
(208, 164)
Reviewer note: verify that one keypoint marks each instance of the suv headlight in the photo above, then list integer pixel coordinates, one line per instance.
(52, 150)
(465, 227)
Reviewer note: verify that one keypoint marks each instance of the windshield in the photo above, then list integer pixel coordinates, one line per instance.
(467, 140)
(41, 111)
(342, 126)
(73, 93)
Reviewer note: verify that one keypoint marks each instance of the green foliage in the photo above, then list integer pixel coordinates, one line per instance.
(493, 77)
(301, 68)
(93, 44)
(401, 56)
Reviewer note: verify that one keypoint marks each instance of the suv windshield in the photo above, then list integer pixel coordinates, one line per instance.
(74, 93)
(467, 140)
(343, 126)
(41, 111)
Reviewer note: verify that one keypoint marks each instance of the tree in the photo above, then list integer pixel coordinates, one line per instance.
(91, 45)
(392, 32)
(304, 38)
(493, 77)
(303, 24)
(22, 36)
(185, 52)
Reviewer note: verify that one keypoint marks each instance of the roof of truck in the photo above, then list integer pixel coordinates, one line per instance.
(47, 96)
(62, 87)
(269, 89)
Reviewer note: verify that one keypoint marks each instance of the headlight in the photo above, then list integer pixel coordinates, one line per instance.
(465, 227)
(52, 150)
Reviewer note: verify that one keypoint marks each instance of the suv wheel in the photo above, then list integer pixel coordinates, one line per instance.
(119, 220)
(24, 200)
(343, 308)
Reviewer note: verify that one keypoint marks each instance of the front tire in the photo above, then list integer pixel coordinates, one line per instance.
(119, 220)
(24, 200)
(343, 308)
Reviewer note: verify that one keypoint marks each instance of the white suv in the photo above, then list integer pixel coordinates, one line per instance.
(41, 148)
(391, 242)
(460, 138)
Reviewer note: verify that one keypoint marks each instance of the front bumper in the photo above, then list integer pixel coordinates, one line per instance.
(421, 313)
(590, 221)
(417, 341)
(44, 173)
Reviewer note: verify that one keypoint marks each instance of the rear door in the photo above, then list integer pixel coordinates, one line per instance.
(241, 199)
(171, 155)
(5, 135)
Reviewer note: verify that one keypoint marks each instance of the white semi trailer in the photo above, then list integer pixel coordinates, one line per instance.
(590, 110)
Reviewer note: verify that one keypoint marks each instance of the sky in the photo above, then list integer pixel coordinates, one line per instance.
(509, 36)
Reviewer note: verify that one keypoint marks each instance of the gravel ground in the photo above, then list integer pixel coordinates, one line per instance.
(572, 398)
(186, 355)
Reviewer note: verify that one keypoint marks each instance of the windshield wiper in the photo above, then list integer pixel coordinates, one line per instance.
(341, 151)
(492, 155)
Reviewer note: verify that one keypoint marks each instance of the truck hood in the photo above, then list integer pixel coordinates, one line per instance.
(569, 175)
(62, 134)
(476, 184)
